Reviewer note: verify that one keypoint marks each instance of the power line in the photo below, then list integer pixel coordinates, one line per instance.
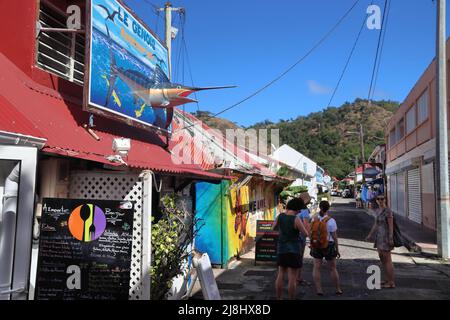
(382, 47)
(180, 56)
(156, 12)
(377, 52)
(375, 70)
(152, 4)
(157, 22)
(348, 59)
(318, 44)
(186, 52)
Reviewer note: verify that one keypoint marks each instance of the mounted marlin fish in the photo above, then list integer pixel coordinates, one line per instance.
(157, 92)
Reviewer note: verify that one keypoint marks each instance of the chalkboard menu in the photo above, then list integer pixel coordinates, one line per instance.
(84, 250)
(266, 241)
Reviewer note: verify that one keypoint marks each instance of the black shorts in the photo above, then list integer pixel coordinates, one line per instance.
(289, 260)
(329, 253)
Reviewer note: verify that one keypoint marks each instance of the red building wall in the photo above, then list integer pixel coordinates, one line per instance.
(18, 41)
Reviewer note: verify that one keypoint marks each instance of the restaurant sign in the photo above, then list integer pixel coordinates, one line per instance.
(84, 250)
(126, 67)
(266, 241)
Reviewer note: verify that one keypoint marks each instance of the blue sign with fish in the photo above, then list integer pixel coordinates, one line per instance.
(128, 67)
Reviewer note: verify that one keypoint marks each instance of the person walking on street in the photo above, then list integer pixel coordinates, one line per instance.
(288, 259)
(304, 217)
(383, 229)
(324, 244)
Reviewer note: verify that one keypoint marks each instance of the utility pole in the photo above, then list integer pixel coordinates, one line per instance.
(360, 134)
(168, 9)
(361, 141)
(356, 175)
(442, 195)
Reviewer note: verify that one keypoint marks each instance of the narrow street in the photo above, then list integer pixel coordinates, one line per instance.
(417, 277)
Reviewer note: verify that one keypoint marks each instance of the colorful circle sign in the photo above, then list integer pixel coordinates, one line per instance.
(87, 222)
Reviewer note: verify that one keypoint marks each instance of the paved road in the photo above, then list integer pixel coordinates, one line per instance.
(417, 277)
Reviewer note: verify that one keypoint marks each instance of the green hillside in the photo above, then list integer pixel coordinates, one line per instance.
(322, 136)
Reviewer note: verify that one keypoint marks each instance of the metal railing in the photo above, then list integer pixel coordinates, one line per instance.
(59, 50)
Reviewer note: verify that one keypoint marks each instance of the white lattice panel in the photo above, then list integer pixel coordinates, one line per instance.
(116, 186)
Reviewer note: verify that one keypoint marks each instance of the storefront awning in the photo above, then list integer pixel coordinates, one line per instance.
(32, 109)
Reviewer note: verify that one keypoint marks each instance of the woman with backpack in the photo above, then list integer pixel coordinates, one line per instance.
(383, 229)
(288, 260)
(324, 244)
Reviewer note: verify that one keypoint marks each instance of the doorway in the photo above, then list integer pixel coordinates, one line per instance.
(17, 195)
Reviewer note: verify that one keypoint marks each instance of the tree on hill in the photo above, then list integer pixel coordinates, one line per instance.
(322, 136)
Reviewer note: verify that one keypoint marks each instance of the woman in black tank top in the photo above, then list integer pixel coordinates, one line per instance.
(288, 255)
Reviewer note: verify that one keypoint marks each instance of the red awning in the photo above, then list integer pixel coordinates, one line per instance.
(31, 109)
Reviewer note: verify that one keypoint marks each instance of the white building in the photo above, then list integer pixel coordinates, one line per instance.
(301, 167)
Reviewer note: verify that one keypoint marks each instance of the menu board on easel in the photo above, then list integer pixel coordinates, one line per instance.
(84, 250)
(266, 241)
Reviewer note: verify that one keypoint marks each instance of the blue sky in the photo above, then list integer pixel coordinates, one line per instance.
(248, 43)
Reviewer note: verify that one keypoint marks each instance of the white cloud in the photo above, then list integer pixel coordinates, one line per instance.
(316, 88)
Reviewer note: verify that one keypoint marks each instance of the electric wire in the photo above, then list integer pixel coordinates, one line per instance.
(377, 52)
(382, 47)
(375, 69)
(186, 52)
(152, 4)
(190, 74)
(276, 79)
(348, 60)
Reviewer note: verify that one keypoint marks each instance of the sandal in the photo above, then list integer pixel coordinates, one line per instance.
(339, 293)
(303, 283)
(388, 286)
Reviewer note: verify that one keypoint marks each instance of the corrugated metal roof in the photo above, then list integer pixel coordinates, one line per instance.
(202, 155)
(32, 109)
(12, 120)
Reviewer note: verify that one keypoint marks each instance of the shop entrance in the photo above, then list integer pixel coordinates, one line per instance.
(17, 194)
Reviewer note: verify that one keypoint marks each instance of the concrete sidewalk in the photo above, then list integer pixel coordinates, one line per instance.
(421, 239)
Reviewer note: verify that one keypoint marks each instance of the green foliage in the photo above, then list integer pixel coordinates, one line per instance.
(171, 236)
(322, 136)
(283, 171)
(342, 185)
(214, 122)
(291, 192)
(326, 195)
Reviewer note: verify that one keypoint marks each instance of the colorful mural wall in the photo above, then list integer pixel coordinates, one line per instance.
(237, 215)
(208, 202)
(229, 217)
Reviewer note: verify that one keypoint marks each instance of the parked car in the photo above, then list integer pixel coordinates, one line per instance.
(347, 194)
(336, 193)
